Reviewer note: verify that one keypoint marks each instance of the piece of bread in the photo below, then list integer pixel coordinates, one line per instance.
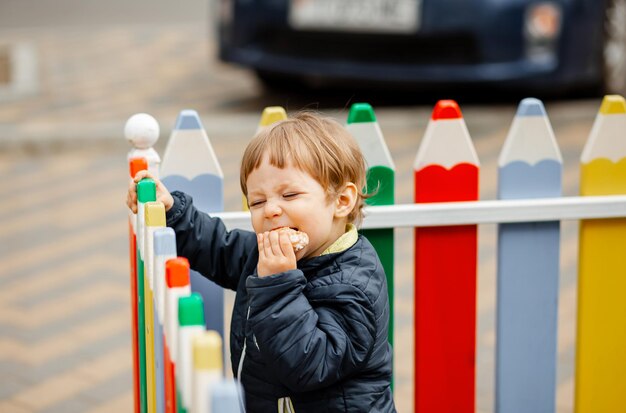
(298, 239)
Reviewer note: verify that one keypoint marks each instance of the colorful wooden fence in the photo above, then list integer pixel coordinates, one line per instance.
(446, 170)
(363, 126)
(445, 216)
(190, 165)
(530, 166)
(171, 354)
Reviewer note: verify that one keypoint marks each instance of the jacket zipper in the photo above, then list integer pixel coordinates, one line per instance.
(285, 405)
(288, 405)
(243, 356)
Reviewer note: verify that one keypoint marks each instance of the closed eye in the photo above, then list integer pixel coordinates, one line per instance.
(256, 203)
(290, 195)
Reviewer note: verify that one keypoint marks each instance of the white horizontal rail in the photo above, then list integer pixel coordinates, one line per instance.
(475, 212)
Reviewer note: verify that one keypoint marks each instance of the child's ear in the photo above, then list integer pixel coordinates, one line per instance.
(346, 200)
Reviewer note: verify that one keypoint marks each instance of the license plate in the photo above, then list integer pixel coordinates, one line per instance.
(368, 16)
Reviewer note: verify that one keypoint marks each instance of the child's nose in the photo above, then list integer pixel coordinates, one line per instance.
(272, 209)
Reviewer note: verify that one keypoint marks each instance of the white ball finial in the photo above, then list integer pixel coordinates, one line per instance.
(141, 130)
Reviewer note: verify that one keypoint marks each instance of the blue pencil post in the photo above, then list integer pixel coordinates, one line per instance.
(227, 397)
(164, 250)
(530, 166)
(190, 165)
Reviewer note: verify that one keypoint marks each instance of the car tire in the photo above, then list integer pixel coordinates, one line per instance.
(614, 48)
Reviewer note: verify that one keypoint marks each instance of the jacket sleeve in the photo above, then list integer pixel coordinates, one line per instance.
(213, 251)
(313, 342)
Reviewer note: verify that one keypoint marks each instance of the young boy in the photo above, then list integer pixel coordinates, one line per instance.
(309, 327)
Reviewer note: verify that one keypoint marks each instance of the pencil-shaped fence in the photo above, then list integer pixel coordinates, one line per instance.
(601, 359)
(445, 216)
(136, 165)
(190, 165)
(530, 166)
(168, 315)
(164, 250)
(363, 126)
(446, 170)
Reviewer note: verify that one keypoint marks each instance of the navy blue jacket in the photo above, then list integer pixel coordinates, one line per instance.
(317, 334)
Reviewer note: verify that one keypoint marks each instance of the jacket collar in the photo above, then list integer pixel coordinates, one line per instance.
(344, 242)
(325, 263)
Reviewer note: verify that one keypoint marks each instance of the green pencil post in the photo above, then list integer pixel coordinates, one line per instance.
(146, 192)
(363, 126)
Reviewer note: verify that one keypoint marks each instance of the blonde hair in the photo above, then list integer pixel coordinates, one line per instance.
(314, 144)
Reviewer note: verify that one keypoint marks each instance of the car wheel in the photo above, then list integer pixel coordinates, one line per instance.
(614, 47)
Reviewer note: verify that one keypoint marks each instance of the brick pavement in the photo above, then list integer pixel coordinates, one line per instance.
(64, 329)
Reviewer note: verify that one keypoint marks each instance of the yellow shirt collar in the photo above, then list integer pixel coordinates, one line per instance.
(344, 242)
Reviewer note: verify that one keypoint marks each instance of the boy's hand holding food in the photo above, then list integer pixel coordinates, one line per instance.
(277, 250)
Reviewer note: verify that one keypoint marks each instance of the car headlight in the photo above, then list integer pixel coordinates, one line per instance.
(542, 28)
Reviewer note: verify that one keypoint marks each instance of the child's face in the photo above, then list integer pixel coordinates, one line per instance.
(290, 197)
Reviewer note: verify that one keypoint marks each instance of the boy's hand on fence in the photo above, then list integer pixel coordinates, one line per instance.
(275, 253)
(162, 194)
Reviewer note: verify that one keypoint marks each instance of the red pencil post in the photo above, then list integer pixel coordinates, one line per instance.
(135, 165)
(177, 285)
(446, 170)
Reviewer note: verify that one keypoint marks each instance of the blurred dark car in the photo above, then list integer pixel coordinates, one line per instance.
(557, 45)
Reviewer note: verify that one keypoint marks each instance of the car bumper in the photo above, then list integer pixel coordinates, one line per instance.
(513, 71)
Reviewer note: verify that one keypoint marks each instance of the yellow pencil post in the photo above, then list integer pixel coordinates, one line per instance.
(207, 369)
(272, 114)
(155, 219)
(601, 341)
